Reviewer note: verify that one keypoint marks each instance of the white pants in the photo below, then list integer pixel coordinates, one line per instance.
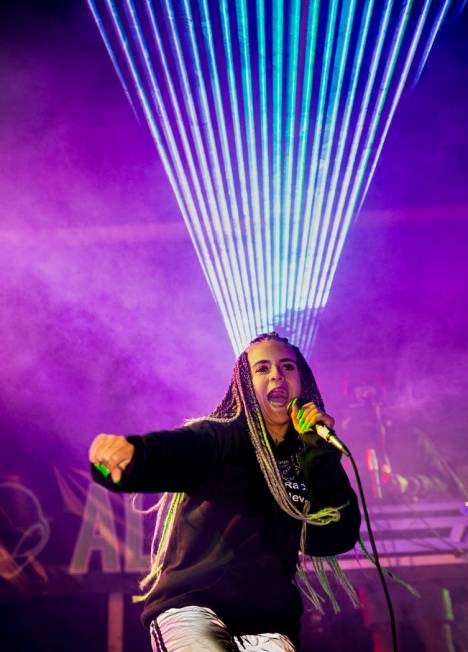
(198, 629)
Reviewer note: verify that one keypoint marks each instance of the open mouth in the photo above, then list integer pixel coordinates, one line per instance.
(278, 397)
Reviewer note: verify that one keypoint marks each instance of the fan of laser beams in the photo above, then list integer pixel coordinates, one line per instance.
(269, 118)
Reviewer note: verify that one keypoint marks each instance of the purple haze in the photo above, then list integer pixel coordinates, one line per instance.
(107, 323)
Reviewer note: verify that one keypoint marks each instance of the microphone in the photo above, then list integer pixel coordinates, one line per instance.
(320, 428)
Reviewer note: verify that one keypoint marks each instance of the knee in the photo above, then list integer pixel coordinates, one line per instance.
(190, 629)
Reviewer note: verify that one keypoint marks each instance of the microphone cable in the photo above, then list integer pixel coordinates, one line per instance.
(375, 552)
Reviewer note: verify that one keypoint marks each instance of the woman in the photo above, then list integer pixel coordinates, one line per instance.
(250, 494)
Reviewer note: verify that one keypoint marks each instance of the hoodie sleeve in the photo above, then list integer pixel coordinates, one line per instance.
(178, 460)
(328, 486)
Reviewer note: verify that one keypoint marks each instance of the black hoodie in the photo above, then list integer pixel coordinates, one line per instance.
(232, 548)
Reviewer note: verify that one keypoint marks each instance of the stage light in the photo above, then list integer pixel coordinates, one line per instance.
(269, 118)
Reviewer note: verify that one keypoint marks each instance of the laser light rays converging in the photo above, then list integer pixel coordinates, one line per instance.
(269, 118)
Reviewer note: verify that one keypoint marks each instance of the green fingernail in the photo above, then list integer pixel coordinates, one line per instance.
(300, 412)
(104, 470)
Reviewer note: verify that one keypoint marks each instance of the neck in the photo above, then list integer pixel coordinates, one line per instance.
(277, 432)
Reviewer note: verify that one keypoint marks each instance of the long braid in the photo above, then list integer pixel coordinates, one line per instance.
(240, 399)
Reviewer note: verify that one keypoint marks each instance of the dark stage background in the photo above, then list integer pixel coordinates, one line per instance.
(107, 325)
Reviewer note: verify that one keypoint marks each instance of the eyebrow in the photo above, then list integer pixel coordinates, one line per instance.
(268, 361)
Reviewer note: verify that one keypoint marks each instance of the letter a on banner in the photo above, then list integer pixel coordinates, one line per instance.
(97, 533)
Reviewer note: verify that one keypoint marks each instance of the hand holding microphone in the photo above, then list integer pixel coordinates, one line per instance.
(307, 418)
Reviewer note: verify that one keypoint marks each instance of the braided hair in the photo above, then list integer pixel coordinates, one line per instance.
(240, 401)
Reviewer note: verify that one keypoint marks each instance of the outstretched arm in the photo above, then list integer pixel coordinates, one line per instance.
(178, 461)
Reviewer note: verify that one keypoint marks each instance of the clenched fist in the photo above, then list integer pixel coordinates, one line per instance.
(112, 451)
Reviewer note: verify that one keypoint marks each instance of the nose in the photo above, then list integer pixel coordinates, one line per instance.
(276, 373)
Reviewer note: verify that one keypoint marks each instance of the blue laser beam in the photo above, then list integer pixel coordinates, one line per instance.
(270, 119)
(341, 53)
